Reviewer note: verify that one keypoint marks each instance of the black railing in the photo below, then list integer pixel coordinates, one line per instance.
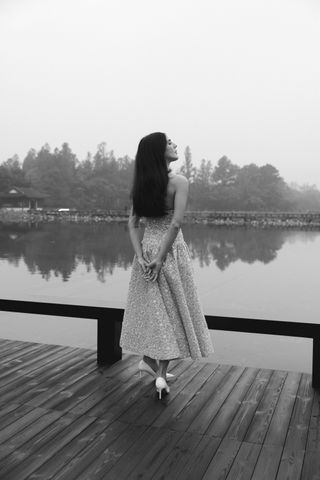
(110, 319)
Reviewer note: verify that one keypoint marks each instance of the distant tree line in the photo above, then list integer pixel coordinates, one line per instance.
(102, 181)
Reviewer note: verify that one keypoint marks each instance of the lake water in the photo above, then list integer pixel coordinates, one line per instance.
(240, 272)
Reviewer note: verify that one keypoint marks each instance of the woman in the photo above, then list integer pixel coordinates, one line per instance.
(163, 319)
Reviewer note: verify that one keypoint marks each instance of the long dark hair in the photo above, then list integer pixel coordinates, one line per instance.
(150, 178)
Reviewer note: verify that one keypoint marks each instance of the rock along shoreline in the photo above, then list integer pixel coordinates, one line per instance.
(298, 220)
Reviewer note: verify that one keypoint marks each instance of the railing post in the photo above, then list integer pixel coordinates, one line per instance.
(108, 341)
(316, 362)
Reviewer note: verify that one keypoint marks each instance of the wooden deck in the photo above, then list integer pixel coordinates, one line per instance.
(63, 417)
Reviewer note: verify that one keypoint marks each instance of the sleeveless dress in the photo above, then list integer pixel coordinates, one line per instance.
(164, 319)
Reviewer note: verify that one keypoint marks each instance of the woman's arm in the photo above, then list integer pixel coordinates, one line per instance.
(134, 232)
(180, 203)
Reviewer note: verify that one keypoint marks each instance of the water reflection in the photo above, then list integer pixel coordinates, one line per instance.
(58, 249)
(224, 246)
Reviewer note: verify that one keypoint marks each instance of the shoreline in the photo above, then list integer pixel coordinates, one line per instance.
(299, 220)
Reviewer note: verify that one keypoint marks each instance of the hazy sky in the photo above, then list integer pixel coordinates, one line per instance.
(231, 77)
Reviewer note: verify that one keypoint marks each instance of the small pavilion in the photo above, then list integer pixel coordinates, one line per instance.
(24, 198)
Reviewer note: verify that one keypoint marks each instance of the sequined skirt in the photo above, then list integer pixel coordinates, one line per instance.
(164, 319)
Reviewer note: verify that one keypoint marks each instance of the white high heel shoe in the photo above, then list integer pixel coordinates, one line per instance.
(144, 367)
(161, 384)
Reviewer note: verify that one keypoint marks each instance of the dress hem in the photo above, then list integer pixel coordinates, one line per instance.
(198, 357)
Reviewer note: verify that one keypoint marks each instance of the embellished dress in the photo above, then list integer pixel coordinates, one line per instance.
(164, 319)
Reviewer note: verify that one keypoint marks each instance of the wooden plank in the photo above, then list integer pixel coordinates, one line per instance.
(143, 462)
(178, 456)
(273, 406)
(264, 412)
(112, 397)
(223, 459)
(202, 401)
(44, 389)
(20, 423)
(301, 415)
(65, 373)
(223, 418)
(26, 353)
(11, 391)
(155, 455)
(50, 395)
(50, 358)
(48, 368)
(202, 421)
(311, 465)
(27, 357)
(6, 409)
(27, 466)
(12, 349)
(181, 391)
(15, 345)
(242, 419)
(99, 397)
(291, 465)
(199, 458)
(25, 366)
(143, 398)
(147, 402)
(32, 392)
(60, 370)
(127, 462)
(21, 437)
(67, 398)
(244, 463)
(279, 425)
(33, 444)
(45, 394)
(12, 417)
(110, 403)
(82, 451)
(313, 441)
(294, 448)
(6, 341)
(108, 458)
(268, 463)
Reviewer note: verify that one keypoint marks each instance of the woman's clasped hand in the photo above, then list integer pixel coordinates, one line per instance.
(150, 270)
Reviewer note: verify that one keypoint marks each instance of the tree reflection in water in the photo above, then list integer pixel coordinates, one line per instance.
(58, 249)
(225, 245)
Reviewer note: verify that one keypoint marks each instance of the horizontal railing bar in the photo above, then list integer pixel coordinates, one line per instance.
(55, 309)
(271, 327)
(235, 324)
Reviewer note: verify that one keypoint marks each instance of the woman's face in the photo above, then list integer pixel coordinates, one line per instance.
(170, 153)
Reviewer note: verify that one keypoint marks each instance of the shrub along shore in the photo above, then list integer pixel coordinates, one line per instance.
(310, 220)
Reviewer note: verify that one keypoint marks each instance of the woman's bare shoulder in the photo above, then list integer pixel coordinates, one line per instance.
(178, 179)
